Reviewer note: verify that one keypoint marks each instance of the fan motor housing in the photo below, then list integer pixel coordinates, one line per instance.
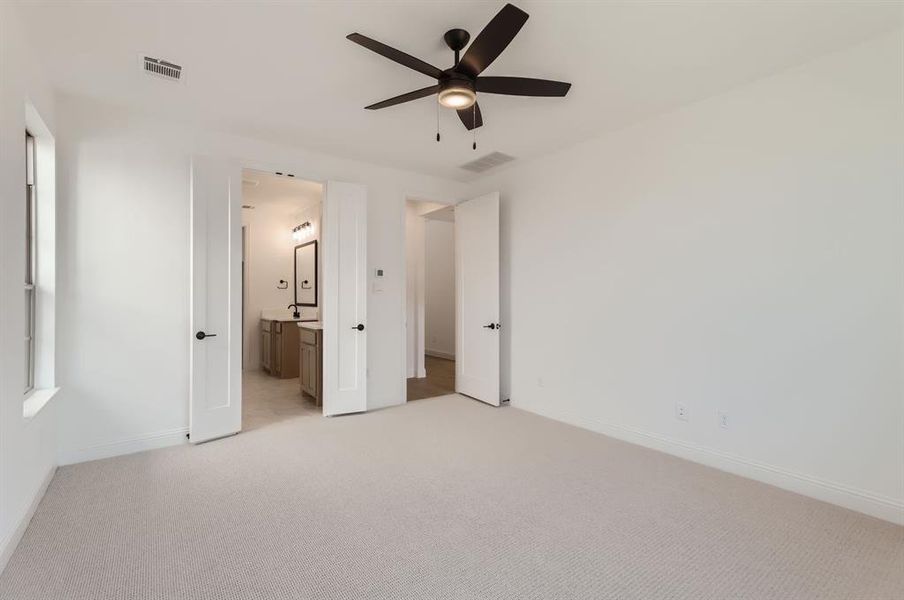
(451, 79)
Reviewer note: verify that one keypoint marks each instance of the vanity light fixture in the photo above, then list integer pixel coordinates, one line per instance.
(299, 232)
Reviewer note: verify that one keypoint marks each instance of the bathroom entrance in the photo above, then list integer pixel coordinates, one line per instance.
(331, 348)
(281, 256)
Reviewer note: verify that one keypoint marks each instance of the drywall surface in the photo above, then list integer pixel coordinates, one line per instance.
(27, 446)
(440, 288)
(741, 255)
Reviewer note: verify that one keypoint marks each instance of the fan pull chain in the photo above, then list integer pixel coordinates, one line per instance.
(474, 122)
(437, 121)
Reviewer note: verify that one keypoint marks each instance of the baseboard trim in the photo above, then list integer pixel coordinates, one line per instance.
(875, 505)
(149, 441)
(440, 354)
(9, 545)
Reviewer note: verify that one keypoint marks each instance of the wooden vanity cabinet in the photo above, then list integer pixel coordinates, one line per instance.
(310, 363)
(279, 348)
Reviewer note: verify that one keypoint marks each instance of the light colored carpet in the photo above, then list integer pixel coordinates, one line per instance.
(442, 498)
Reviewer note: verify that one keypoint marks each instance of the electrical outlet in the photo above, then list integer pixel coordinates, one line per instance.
(723, 419)
(681, 412)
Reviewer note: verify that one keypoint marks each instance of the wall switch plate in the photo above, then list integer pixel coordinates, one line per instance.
(723, 419)
(681, 412)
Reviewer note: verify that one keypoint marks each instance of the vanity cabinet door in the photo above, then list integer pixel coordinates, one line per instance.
(266, 346)
(276, 354)
(310, 358)
(304, 368)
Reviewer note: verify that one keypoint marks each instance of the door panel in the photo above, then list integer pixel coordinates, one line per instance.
(477, 298)
(216, 299)
(345, 299)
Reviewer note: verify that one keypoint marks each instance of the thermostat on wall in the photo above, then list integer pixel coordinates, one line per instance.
(378, 272)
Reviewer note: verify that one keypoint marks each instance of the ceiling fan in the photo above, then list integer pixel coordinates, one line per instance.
(457, 87)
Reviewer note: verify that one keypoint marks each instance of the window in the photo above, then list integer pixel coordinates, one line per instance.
(30, 262)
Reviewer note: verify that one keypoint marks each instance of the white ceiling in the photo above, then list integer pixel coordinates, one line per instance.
(279, 193)
(283, 71)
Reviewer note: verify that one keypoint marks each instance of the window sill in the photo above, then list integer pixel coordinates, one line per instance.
(36, 401)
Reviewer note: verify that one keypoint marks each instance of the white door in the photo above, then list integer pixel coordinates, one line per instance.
(477, 298)
(344, 310)
(216, 299)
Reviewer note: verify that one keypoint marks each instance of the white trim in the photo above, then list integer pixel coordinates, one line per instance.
(440, 354)
(876, 505)
(36, 400)
(9, 545)
(148, 441)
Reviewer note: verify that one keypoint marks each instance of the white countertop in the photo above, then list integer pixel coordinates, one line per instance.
(315, 325)
(286, 315)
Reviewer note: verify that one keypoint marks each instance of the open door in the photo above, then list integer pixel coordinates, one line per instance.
(477, 299)
(344, 310)
(216, 299)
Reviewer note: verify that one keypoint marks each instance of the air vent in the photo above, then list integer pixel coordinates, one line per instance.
(485, 163)
(162, 68)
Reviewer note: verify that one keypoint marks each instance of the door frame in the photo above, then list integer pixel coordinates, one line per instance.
(420, 343)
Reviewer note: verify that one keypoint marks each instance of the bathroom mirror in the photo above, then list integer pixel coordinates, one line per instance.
(306, 274)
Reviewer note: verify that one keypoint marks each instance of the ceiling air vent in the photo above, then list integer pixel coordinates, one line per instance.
(485, 163)
(162, 68)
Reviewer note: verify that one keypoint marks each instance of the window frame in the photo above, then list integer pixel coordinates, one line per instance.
(31, 261)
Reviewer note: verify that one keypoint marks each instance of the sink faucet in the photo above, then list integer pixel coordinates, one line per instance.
(295, 313)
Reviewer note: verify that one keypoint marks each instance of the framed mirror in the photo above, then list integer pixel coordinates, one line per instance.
(306, 274)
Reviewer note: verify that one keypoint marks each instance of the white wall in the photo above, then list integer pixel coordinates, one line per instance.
(27, 447)
(743, 254)
(270, 257)
(439, 241)
(124, 237)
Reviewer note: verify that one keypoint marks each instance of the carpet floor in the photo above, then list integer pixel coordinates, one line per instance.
(441, 498)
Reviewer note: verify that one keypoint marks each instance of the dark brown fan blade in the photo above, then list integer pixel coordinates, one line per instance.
(494, 38)
(396, 55)
(521, 86)
(427, 91)
(469, 115)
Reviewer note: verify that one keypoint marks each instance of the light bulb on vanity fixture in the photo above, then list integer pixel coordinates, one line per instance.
(299, 232)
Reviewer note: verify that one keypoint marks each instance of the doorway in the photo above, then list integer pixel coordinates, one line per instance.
(215, 359)
(430, 233)
(281, 225)
(472, 227)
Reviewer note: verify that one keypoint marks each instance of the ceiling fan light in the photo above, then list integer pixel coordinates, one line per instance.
(457, 97)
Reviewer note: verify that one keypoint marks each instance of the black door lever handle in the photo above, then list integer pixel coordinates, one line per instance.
(201, 335)
(359, 327)
(490, 326)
